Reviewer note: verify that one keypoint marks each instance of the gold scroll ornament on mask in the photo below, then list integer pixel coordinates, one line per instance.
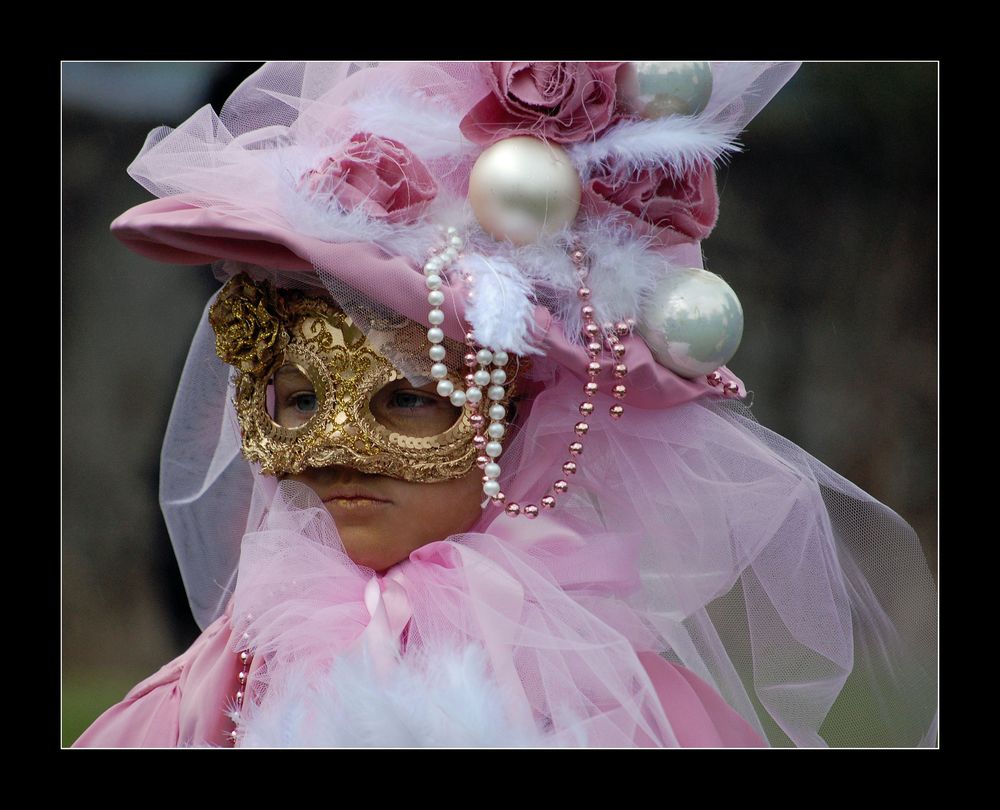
(312, 390)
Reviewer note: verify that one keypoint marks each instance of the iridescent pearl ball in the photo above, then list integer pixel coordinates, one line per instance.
(692, 322)
(522, 187)
(659, 89)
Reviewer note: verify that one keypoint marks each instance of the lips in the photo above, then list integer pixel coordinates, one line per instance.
(353, 494)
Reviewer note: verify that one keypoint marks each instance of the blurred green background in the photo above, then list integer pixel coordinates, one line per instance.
(827, 232)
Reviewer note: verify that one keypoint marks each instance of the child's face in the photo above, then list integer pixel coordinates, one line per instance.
(382, 519)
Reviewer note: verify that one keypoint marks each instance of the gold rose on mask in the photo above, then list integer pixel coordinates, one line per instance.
(312, 389)
(247, 322)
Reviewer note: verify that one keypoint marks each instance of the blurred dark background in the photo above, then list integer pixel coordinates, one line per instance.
(827, 232)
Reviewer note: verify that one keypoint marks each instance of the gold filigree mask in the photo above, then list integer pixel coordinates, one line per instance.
(312, 390)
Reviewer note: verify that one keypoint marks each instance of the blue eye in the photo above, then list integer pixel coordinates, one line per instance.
(304, 403)
(411, 400)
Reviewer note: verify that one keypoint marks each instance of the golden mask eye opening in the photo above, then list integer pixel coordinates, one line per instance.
(291, 398)
(415, 411)
(314, 390)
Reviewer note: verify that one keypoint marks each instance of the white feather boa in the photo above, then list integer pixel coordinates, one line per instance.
(423, 701)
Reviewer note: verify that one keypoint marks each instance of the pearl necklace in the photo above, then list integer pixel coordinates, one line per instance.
(489, 445)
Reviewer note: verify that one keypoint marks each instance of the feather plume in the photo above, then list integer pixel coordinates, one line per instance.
(501, 311)
(426, 125)
(623, 270)
(677, 144)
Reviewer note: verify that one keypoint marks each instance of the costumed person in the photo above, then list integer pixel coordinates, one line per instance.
(456, 458)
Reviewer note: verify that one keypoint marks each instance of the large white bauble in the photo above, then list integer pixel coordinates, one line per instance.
(522, 187)
(692, 322)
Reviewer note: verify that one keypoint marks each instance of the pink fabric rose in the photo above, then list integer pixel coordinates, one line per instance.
(565, 102)
(379, 175)
(672, 209)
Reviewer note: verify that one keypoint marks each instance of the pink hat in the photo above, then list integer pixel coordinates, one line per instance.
(313, 189)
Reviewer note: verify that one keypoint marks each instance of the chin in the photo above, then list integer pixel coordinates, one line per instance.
(378, 567)
(378, 562)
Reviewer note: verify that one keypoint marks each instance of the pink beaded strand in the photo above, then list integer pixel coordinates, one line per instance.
(592, 331)
(479, 361)
(242, 677)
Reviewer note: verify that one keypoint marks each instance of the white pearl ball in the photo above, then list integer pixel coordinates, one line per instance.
(497, 412)
(474, 395)
(491, 488)
(495, 430)
(692, 322)
(456, 242)
(437, 353)
(433, 281)
(435, 316)
(522, 187)
(432, 267)
(493, 449)
(492, 470)
(458, 398)
(445, 388)
(435, 298)
(439, 371)
(435, 334)
(499, 376)
(482, 377)
(496, 392)
(500, 358)
(484, 357)
(449, 255)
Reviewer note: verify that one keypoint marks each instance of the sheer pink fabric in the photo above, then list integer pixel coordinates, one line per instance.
(183, 704)
(703, 579)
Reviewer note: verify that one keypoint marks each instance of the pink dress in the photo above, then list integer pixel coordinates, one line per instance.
(184, 703)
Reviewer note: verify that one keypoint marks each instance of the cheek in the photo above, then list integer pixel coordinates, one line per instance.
(452, 507)
(472, 497)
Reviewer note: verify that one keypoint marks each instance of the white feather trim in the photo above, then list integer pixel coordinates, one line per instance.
(622, 272)
(501, 311)
(676, 143)
(424, 124)
(327, 221)
(447, 699)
